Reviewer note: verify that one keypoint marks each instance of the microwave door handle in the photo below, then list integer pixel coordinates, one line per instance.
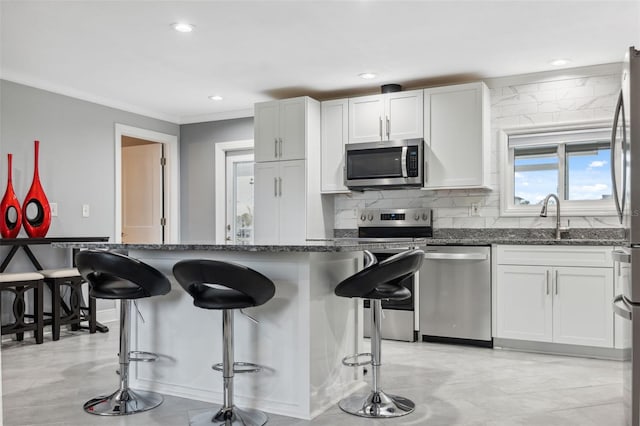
(614, 177)
(403, 162)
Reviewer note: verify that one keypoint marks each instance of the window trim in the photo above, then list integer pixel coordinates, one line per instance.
(568, 208)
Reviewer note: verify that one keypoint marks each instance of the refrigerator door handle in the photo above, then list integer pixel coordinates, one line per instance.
(621, 307)
(614, 179)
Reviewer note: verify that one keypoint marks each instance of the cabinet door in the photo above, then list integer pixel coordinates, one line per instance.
(524, 303)
(455, 136)
(266, 203)
(334, 131)
(582, 311)
(266, 131)
(292, 129)
(404, 115)
(291, 192)
(365, 118)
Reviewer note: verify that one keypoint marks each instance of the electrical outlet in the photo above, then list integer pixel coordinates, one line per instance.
(85, 210)
(474, 209)
(54, 209)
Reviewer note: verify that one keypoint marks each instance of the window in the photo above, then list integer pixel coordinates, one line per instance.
(572, 163)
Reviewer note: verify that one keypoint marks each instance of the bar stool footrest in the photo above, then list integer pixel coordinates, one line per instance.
(141, 356)
(242, 367)
(346, 360)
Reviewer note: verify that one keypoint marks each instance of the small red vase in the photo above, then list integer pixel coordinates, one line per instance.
(38, 225)
(9, 205)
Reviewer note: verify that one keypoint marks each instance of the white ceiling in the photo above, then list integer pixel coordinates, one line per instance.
(126, 55)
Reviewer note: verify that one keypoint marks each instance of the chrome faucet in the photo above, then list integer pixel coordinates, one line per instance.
(543, 212)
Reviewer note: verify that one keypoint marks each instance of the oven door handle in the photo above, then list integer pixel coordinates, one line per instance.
(456, 256)
(622, 311)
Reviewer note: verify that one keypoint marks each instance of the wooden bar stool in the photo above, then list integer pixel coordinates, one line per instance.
(18, 284)
(61, 313)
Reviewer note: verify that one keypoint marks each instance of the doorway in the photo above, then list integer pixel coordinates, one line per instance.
(239, 197)
(136, 161)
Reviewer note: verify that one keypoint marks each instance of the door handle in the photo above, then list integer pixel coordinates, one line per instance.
(403, 162)
(280, 147)
(556, 282)
(546, 279)
(275, 187)
(622, 308)
(280, 184)
(614, 181)
(275, 147)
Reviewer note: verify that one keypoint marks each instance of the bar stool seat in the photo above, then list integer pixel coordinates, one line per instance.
(119, 277)
(225, 286)
(378, 281)
(18, 284)
(61, 313)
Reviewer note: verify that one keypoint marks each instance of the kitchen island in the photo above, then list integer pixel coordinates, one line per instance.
(300, 338)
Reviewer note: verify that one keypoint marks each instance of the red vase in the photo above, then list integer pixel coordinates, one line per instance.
(36, 225)
(9, 206)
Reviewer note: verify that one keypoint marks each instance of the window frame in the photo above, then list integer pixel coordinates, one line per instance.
(605, 207)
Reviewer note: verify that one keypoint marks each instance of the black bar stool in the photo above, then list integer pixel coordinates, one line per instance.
(226, 286)
(116, 276)
(378, 281)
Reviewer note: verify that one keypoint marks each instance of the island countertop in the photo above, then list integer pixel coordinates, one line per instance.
(310, 246)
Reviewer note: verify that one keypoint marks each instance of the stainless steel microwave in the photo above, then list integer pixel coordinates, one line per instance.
(390, 164)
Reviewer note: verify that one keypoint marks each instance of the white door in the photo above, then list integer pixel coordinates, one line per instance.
(291, 192)
(267, 131)
(239, 197)
(292, 129)
(404, 115)
(142, 194)
(524, 303)
(266, 203)
(365, 118)
(582, 310)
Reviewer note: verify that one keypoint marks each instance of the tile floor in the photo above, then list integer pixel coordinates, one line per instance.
(451, 385)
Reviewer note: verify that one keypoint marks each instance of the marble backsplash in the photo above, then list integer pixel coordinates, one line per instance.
(580, 95)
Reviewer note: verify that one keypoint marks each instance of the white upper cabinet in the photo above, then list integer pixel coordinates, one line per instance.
(388, 116)
(281, 129)
(456, 133)
(334, 130)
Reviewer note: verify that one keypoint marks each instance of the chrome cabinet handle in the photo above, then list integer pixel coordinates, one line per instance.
(388, 128)
(546, 278)
(622, 311)
(556, 282)
(621, 256)
(275, 147)
(280, 184)
(275, 187)
(380, 129)
(280, 147)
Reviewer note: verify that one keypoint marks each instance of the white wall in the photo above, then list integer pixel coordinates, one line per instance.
(536, 99)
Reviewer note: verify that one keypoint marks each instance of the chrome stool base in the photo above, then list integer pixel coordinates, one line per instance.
(233, 417)
(377, 405)
(123, 402)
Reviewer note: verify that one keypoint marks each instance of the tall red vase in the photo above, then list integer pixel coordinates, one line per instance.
(36, 225)
(10, 206)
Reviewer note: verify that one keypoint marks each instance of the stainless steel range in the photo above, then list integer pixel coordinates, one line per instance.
(401, 319)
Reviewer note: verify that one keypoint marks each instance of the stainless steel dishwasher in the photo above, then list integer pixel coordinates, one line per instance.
(455, 295)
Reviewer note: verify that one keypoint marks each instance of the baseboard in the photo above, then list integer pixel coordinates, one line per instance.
(562, 349)
(107, 315)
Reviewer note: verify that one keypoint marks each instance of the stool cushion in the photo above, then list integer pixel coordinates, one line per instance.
(383, 280)
(116, 276)
(20, 276)
(60, 273)
(222, 285)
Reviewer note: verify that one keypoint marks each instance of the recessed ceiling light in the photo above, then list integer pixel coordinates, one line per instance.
(216, 97)
(182, 27)
(560, 62)
(367, 75)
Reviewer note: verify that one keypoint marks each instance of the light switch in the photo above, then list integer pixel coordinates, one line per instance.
(54, 209)
(85, 210)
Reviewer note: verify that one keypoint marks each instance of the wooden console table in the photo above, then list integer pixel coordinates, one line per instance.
(24, 243)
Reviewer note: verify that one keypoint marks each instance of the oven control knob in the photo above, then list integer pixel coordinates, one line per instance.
(370, 217)
(363, 217)
(425, 216)
(417, 216)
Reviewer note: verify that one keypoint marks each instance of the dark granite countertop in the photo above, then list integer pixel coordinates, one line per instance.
(535, 236)
(311, 246)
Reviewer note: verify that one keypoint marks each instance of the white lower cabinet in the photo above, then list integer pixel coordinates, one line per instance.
(554, 303)
(280, 201)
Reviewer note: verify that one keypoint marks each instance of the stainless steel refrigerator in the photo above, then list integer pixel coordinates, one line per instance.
(625, 171)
